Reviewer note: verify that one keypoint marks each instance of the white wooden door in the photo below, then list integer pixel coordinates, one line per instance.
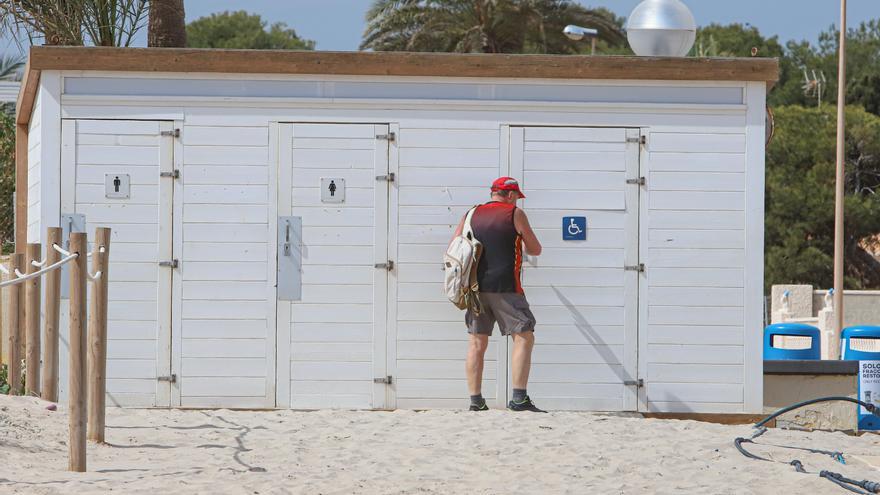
(139, 306)
(224, 314)
(585, 302)
(332, 342)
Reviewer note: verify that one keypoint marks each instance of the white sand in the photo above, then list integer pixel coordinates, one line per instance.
(443, 452)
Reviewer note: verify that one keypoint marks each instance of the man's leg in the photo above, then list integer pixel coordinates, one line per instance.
(474, 364)
(523, 342)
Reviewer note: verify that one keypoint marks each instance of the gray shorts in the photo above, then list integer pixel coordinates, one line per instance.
(509, 309)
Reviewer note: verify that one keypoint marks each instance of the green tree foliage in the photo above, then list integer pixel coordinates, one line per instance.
(799, 225)
(73, 22)
(243, 30)
(484, 26)
(7, 180)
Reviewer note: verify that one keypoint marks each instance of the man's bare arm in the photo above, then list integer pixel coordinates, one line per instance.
(530, 240)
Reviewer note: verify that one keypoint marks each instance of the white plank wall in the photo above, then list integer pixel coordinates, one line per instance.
(125, 147)
(443, 172)
(696, 267)
(226, 329)
(35, 136)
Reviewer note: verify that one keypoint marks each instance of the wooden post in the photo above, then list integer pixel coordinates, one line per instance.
(32, 322)
(16, 298)
(49, 385)
(77, 395)
(98, 336)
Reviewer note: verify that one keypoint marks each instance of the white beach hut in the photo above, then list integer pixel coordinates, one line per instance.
(239, 277)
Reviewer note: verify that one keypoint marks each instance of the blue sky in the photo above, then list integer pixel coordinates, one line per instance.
(338, 24)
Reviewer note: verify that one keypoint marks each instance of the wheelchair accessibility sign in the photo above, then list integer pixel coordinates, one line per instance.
(574, 228)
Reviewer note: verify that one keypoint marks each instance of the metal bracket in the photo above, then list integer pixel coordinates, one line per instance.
(635, 268)
(386, 380)
(173, 263)
(640, 140)
(169, 378)
(635, 383)
(174, 133)
(174, 174)
(389, 265)
(387, 178)
(640, 181)
(387, 137)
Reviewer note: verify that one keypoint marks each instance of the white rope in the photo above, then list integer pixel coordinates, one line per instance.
(58, 248)
(95, 277)
(38, 264)
(22, 277)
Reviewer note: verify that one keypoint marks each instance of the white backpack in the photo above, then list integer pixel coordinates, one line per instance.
(460, 263)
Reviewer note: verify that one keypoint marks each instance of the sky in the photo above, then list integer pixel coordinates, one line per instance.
(338, 24)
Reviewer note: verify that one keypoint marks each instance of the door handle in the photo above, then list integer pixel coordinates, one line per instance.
(286, 247)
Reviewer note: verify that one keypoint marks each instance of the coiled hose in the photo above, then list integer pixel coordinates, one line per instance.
(863, 487)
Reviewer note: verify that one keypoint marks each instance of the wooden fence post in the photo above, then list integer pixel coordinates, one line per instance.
(16, 298)
(32, 321)
(77, 394)
(98, 336)
(49, 385)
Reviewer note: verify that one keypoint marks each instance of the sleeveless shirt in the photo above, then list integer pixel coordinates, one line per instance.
(500, 265)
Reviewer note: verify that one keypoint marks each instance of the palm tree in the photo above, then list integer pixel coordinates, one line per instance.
(167, 26)
(10, 67)
(483, 26)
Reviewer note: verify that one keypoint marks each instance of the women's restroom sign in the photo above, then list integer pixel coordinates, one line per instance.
(574, 228)
(869, 391)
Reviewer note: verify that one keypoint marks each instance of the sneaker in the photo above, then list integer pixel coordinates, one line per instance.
(526, 405)
(481, 407)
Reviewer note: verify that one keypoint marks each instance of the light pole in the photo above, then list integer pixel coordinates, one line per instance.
(840, 177)
(578, 33)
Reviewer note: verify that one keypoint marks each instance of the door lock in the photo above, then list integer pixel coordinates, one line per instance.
(389, 265)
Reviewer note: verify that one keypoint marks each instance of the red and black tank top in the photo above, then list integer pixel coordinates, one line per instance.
(500, 265)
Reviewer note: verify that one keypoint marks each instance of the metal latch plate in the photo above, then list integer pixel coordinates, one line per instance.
(172, 263)
(635, 268)
(640, 181)
(174, 133)
(387, 380)
(635, 383)
(387, 178)
(168, 378)
(388, 137)
(389, 265)
(174, 174)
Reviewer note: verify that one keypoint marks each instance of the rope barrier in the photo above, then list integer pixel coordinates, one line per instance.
(95, 277)
(21, 277)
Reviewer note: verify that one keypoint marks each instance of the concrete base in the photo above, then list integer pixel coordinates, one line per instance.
(783, 390)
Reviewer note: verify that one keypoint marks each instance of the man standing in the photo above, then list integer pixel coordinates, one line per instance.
(503, 229)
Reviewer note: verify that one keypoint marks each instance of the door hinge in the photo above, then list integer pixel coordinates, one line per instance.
(387, 137)
(387, 380)
(389, 265)
(640, 181)
(387, 178)
(635, 383)
(640, 140)
(174, 174)
(635, 268)
(169, 378)
(173, 263)
(174, 133)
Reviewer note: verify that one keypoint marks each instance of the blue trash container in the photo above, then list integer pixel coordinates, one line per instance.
(793, 330)
(858, 332)
(867, 370)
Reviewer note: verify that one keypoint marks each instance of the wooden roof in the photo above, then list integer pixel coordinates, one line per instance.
(386, 64)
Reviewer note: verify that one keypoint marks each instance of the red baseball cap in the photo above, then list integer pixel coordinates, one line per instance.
(507, 184)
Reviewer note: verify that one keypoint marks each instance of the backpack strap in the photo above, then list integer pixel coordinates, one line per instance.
(467, 230)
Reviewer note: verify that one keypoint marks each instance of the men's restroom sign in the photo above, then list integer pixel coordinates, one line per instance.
(332, 190)
(117, 186)
(574, 228)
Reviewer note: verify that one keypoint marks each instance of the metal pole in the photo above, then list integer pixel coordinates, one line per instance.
(32, 321)
(98, 336)
(840, 177)
(79, 271)
(49, 387)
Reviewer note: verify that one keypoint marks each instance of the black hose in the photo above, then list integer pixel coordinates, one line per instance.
(870, 407)
(844, 482)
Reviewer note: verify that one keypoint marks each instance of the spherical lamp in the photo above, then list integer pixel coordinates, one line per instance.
(661, 28)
